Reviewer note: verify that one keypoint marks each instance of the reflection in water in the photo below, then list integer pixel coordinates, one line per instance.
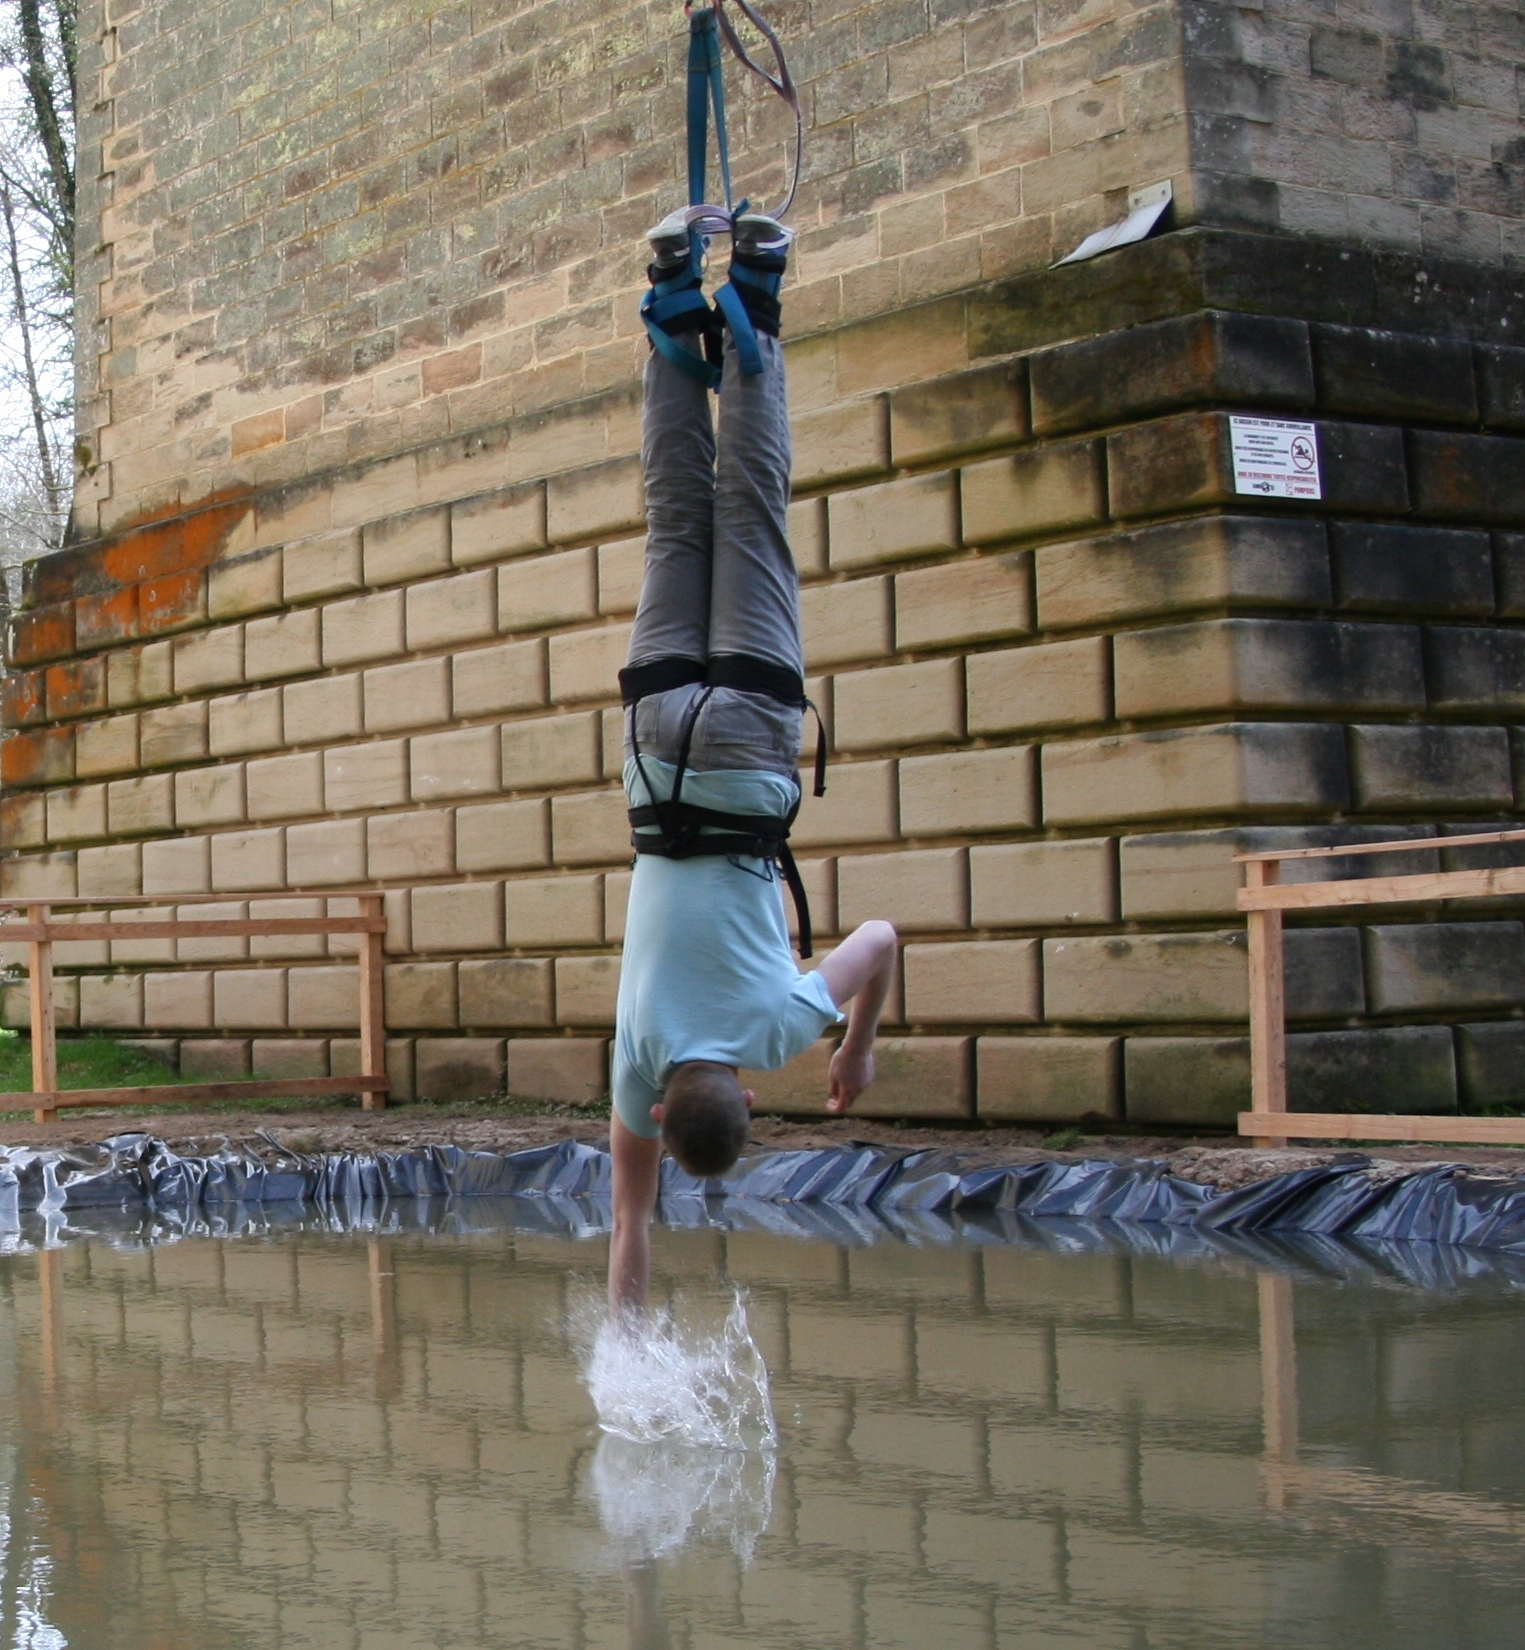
(656, 1499)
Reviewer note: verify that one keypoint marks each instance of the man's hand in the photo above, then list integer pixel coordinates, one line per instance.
(851, 1071)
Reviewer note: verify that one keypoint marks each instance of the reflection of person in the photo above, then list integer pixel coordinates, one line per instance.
(715, 692)
(645, 1625)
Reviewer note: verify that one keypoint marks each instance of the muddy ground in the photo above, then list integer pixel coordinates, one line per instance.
(1220, 1161)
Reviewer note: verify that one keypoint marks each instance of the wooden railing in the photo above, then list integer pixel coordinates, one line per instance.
(41, 932)
(1264, 898)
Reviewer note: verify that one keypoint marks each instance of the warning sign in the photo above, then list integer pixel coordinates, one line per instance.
(1275, 457)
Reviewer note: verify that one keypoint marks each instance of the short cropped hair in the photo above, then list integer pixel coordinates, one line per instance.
(705, 1121)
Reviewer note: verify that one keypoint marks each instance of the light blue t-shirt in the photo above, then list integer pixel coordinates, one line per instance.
(708, 973)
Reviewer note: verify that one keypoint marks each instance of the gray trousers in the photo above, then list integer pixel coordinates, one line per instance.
(720, 577)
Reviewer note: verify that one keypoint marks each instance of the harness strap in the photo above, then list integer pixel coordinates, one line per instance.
(658, 675)
(706, 88)
(663, 309)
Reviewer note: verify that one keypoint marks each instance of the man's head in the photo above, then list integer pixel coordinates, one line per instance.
(704, 1117)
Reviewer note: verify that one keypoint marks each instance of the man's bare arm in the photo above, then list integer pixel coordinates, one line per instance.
(637, 1162)
(859, 971)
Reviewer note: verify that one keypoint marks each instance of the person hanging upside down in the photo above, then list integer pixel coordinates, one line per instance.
(714, 696)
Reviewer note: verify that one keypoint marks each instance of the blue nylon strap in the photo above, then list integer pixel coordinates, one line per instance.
(703, 49)
(673, 297)
(743, 335)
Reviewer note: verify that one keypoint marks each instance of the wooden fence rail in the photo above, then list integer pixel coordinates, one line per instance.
(40, 933)
(1264, 898)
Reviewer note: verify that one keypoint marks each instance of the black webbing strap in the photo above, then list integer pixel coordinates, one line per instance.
(658, 675)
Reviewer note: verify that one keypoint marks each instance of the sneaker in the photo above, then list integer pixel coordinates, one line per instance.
(672, 239)
(755, 235)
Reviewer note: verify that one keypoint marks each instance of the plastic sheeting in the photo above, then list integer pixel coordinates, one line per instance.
(1350, 1199)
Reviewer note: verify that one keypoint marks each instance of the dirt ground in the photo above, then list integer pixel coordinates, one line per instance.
(1219, 1161)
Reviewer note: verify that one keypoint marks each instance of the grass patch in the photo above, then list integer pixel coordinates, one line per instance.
(1061, 1140)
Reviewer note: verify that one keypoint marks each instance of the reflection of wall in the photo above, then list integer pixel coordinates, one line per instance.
(1074, 1443)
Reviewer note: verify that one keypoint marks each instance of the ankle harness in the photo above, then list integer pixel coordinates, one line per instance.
(680, 832)
(676, 304)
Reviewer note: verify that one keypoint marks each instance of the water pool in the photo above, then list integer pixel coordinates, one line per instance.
(345, 1440)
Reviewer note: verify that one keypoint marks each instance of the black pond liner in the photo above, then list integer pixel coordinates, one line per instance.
(1436, 1226)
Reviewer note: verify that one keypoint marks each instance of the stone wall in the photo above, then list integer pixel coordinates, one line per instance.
(1065, 667)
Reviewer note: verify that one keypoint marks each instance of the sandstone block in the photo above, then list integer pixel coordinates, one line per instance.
(986, 790)
(1490, 1062)
(1471, 478)
(420, 994)
(411, 546)
(1180, 874)
(246, 584)
(1048, 1079)
(453, 1069)
(1394, 375)
(249, 998)
(139, 675)
(899, 705)
(503, 836)
(1394, 1069)
(1186, 1080)
(799, 1088)
(74, 688)
(173, 733)
(178, 1002)
(230, 948)
(249, 860)
(617, 902)
(922, 892)
(124, 951)
(552, 750)
(1390, 567)
(570, 1070)
(362, 629)
(842, 623)
(585, 664)
(602, 501)
(859, 806)
(322, 711)
(285, 787)
(819, 877)
(403, 846)
(920, 1077)
(180, 865)
(214, 1059)
(1059, 684)
(1043, 490)
(209, 659)
(960, 414)
(288, 945)
(1445, 965)
(239, 724)
(506, 991)
(463, 762)
(1234, 768)
(326, 854)
(111, 1000)
(964, 601)
(283, 1057)
(506, 523)
(1472, 668)
(491, 679)
(373, 775)
(894, 521)
(553, 911)
(1501, 386)
(106, 747)
(808, 536)
(42, 757)
(40, 874)
(1146, 977)
(76, 813)
(117, 869)
(411, 695)
(23, 699)
(14, 1008)
(210, 796)
(840, 443)
(548, 590)
(1430, 767)
(78, 953)
(465, 916)
(23, 821)
(1042, 884)
(585, 990)
(444, 612)
(285, 644)
(323, 999)
(970, 982)
(621, 569)
(591, 828)
(329, 565)
(139, 807)
(1268, 664)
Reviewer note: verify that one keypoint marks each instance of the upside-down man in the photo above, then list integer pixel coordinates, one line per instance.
(714, 695)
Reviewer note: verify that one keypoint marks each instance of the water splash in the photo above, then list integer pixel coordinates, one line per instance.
(655, 1498)
(654, 1380)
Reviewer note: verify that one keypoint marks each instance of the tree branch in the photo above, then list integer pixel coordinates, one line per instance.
(24, 323)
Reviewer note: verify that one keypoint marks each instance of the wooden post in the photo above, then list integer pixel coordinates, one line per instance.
(1268, 1006)
(373, 1025)
(381, 1272)
(40, 1000)
(50, 1281)
(1278, 1382)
